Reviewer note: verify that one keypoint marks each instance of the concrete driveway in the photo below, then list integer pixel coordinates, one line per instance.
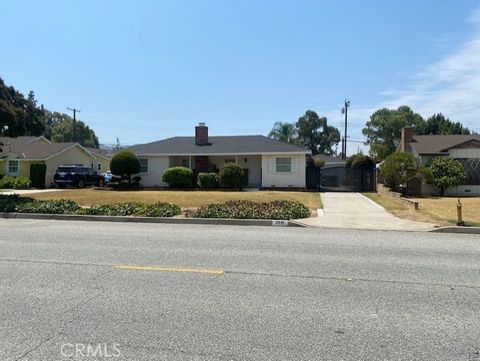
(355, 211)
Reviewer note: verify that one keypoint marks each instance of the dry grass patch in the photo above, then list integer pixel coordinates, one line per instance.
(185, 199)
(441, 210)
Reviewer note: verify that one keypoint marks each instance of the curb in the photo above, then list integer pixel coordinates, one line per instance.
(166, 220)
(456, 229)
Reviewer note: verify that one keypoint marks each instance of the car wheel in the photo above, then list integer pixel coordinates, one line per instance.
(101, 183)
(80, 183)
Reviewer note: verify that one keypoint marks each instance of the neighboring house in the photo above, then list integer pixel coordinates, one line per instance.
(329, 161)
(18, 153)
(266, 162)
(464, 148)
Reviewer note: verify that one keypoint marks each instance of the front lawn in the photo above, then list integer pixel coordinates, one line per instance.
(439, 210)
(185, 199)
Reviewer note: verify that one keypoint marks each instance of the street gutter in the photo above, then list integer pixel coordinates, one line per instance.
(169, 220)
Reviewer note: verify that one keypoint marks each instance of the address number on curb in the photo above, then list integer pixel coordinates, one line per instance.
(280, 223)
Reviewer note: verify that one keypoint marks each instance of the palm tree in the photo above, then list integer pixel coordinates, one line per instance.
(284, 132)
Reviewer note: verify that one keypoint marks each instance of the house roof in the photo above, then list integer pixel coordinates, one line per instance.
(439, 144)
(329, 160)
(29, 148)
(243, 144)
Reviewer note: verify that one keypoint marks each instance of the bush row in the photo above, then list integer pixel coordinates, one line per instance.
(230, 176)
(15, 182)
(15, 203)
(159, 209)
(252, 210)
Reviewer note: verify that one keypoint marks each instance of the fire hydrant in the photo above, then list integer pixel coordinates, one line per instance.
(459, 213)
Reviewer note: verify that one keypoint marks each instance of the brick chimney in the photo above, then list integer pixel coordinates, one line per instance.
(406, 137)
(201, 134)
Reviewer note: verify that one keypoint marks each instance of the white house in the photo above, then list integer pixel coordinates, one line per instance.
(265, 161)
(464, 148)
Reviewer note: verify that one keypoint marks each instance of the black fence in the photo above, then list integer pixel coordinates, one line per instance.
(341, 179)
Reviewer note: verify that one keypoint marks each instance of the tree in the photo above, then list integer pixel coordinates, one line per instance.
(124, 164)
(438, 124)
(62, 132)
(446, 173)
(284, 132)
(399, 168)
(315, 133)
(360, 161)
(383, 130)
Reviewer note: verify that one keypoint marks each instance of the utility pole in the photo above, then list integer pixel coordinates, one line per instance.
(345, 111)
(74, 121)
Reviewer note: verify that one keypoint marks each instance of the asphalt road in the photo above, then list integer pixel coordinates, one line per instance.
(235, 293)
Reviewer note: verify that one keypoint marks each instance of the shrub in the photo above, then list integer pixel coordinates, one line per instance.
(37, 174)
(399, 168)
(231, 176)
(360, 161)
(15, 182)
(252, 210)
(162, 209)
(125, 163)
(22, 183)
(115, 209)
(9, 203)
(207, 180)
(133, 209)
(56, 206)
(446, 172)
(178, 177)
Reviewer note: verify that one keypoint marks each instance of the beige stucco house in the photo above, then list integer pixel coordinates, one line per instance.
(464, 148)
(266, 162)
(18, 153)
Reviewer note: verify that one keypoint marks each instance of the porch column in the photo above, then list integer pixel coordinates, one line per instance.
(236, 159)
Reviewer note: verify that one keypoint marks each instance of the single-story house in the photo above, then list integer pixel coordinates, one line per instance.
(329, 160)
(18, 153)
(266, 162)
(464, 148)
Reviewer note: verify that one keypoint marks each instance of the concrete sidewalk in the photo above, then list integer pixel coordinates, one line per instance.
(355, 211)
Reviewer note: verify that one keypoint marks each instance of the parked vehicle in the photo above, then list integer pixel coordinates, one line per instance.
(77, 176)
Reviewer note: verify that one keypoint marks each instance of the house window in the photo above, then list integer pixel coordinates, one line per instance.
(186, 163)
(283, 164)
(13, 167)
(143, 165)
(99, 166)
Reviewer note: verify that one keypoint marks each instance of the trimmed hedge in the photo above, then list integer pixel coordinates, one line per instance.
(231, 176)
(55, 206)
(37, 174)
(15, 203)
(178, 177)
(207, 180)
(9, 182)
(134, 209)
(124, 162)
(284, 210)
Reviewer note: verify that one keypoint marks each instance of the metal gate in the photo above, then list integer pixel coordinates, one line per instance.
(341, 179)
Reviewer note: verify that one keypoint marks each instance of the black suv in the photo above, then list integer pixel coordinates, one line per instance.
(78, 176)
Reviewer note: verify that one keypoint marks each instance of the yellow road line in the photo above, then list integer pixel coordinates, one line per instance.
(170, 269)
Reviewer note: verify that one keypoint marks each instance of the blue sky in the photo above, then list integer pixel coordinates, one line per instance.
(146, 70)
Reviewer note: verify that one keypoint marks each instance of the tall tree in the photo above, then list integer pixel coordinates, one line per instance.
(284, 132)
(383, 130)
(62, 132)
(315, 133)
(438, 124)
